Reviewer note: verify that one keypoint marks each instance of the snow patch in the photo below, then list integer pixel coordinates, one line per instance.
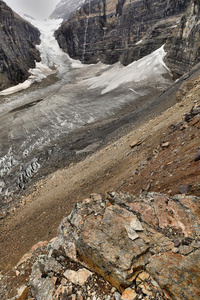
(150, 67)
(37, 75)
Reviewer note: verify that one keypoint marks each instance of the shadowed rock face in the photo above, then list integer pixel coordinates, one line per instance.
(183, 49)
(17, 47)
(119, 30)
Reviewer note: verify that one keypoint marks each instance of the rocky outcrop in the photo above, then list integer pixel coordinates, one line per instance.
(65, 8)
(18, 53)
(123, 30)
(183, 49)
(147, 247)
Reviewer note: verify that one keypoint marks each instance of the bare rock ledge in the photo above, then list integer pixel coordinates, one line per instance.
(147, 246)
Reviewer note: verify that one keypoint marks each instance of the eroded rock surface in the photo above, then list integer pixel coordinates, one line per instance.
(124, 30)
(183, 45)
(146, 246)
(18, 53)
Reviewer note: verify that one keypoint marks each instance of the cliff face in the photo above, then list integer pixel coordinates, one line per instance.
(17, 47)
(125, 30)
(65, 8)
(183, 47)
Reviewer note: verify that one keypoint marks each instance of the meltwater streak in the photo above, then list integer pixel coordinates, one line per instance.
(85, 34)
(35, 120)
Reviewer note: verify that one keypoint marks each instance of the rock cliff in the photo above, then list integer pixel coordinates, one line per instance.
(123, 30)
(183, 48)
(17, 47)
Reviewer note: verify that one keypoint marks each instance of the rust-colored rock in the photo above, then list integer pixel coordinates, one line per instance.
(39, 245)
(24, 294)
(135, 143)
(129, 294)
(118, 242)
(177, 274)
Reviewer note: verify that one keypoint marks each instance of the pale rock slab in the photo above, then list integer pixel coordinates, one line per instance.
(79, 277)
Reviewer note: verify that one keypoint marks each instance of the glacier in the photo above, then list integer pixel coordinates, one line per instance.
(60, 102)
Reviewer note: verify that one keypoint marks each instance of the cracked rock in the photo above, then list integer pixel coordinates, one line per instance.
(146, 246)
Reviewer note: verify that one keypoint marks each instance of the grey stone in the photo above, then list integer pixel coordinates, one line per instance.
(48, 264)
(117, 296)
(176, 243)
(42, 288)
(65, 8)
(197, 156)
(184, 189)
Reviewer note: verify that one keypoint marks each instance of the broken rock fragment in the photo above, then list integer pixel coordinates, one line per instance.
(197, 156)
(184, 189)
(79, 277)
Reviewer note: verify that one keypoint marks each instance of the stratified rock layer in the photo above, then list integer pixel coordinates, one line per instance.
(183, 48)
(148, 243)
(17, 47)
(124, 30)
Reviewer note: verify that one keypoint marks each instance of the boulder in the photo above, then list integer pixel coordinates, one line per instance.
(131, 241)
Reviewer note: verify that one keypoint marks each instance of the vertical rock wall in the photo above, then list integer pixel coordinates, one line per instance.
(17, 47)
(125, 30)
(183, 47)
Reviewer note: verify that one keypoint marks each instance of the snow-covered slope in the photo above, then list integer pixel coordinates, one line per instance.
(145, 70)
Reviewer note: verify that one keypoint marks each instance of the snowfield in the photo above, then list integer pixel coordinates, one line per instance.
(148, 68)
